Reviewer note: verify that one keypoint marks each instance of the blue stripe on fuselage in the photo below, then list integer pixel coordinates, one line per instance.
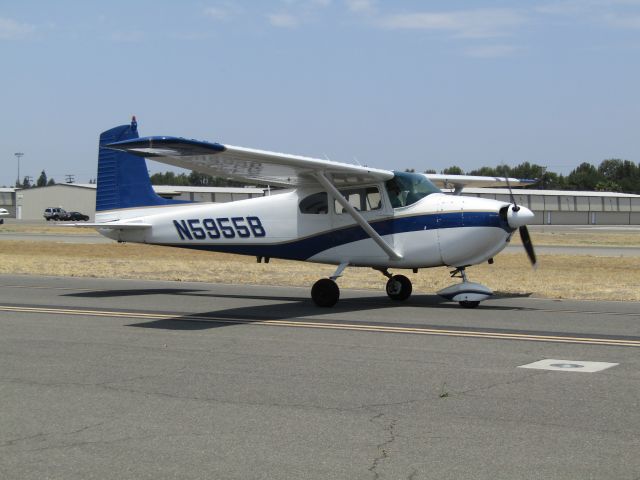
(305, 248)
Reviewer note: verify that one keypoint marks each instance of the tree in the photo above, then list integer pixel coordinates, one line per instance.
(51, 182)
(622, 173)
(584, 177)
(607, 186)
(528, 171)
(484, 172)
(455, 170)
(26, 183)
(42, 179)
(194, 179)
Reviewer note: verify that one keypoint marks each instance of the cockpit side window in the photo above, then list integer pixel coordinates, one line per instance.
(316, 203)
(406, 188)
(363, 199)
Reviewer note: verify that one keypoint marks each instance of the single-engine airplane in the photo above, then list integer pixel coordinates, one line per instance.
(3, 213)
(332, 213)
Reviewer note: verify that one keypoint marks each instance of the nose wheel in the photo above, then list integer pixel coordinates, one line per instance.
(467, 294)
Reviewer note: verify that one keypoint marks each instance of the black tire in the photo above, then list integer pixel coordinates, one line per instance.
(399, 287)
(325, 293)
(469, 304)
(47, 219)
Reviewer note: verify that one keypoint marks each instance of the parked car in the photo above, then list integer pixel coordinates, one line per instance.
(54, 213)
(76, 216)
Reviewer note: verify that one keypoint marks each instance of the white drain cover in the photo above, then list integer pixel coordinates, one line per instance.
(569, 365)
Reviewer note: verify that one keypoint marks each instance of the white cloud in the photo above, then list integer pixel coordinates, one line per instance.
(490, 51)
(568, 7)
(361, 6)
(223, 11)
(217, 13)
(482, 23)
(12, 30)
(283, 20)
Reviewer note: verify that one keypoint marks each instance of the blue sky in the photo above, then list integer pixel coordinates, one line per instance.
(420, 84)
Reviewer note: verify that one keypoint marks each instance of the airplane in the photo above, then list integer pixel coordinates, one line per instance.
(328, 213)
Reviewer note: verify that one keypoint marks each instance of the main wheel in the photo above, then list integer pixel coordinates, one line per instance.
(325, 292)
(469, 304)
(399, 287)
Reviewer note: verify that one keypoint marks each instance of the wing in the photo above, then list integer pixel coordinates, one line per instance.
(459, 181)
(259, 166)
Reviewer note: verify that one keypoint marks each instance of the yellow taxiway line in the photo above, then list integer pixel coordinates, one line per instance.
(329, 326)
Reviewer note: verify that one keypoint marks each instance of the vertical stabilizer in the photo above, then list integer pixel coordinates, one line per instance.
(123, 179)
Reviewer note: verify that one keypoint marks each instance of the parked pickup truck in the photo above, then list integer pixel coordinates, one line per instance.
(54, 213)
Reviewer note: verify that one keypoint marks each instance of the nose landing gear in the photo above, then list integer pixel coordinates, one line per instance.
(467, 294)
(326, 293)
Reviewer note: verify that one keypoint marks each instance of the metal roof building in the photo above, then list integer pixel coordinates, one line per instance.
(565, 207)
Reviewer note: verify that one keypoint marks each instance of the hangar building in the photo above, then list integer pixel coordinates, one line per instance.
(565, 207)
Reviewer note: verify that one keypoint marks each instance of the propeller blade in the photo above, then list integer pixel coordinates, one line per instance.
(528, 246)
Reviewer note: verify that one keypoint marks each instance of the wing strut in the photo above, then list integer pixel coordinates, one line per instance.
(328, 184)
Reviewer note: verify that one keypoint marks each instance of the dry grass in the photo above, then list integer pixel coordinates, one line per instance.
(47, 228)
(587, 238)
(577, 277)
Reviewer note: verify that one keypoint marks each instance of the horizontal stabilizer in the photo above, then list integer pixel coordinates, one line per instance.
(113, 225)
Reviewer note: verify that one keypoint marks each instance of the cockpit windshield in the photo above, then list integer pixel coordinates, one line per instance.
(407, 188)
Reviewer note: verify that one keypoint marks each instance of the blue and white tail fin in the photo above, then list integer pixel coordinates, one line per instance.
(123, 179)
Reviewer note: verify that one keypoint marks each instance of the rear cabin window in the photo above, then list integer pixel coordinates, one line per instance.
(364, 199)
(316, 203)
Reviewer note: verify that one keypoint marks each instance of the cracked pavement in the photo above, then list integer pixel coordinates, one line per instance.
(107, 397)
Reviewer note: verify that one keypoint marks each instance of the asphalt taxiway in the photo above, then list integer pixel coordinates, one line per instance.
(139, 379)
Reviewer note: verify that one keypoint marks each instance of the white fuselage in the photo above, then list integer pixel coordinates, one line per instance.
(437, 230)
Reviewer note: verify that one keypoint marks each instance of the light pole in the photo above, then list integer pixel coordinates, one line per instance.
(18, 155)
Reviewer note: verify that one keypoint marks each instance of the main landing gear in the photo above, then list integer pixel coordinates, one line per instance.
(398, 286)
(326, 293)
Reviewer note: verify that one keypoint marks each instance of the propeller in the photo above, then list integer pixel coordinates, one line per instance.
(522, 227)
(528, 245)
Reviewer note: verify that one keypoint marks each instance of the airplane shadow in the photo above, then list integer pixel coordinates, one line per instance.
(132, 292)
(289, 308)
